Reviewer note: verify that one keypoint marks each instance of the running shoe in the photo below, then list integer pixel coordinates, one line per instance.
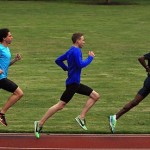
(3, 119)
(112, 123)
(37, 129)
(81, 122)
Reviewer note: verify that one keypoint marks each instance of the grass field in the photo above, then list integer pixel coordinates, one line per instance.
(118, 34)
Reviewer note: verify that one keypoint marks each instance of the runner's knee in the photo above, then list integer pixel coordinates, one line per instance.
(135, 103)
(18, 92)
(95, 95)
(60, 106)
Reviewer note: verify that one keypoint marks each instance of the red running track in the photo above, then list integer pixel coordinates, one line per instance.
(74, 142)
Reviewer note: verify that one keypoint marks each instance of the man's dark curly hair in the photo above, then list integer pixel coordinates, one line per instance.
(3, 33)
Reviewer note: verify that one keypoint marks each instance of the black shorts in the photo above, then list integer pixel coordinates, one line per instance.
(8, 85)
(145, 90)
(75, 88)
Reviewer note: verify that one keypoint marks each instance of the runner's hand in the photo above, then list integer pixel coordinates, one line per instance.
(1, 71)
(91, 53)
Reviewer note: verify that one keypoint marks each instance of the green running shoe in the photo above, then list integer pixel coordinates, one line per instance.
(81, 122)
(37, 129)
(112, 123)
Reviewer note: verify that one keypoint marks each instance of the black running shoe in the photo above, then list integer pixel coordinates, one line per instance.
(3, 119)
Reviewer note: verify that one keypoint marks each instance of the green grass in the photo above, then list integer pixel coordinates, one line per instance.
(118, 34)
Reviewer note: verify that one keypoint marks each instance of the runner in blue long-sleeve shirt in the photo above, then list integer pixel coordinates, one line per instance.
(75, 63)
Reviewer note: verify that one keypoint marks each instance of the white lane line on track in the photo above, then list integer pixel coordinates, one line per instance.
(18, 148)
(75, 135)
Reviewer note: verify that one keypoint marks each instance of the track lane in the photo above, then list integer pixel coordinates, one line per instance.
(74, 141)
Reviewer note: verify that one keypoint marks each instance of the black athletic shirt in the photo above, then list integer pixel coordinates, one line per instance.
(147, 56)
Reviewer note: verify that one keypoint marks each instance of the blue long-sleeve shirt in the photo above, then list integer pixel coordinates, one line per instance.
(74, 64)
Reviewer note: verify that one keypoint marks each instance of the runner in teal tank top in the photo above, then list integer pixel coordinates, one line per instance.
(5, 83)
